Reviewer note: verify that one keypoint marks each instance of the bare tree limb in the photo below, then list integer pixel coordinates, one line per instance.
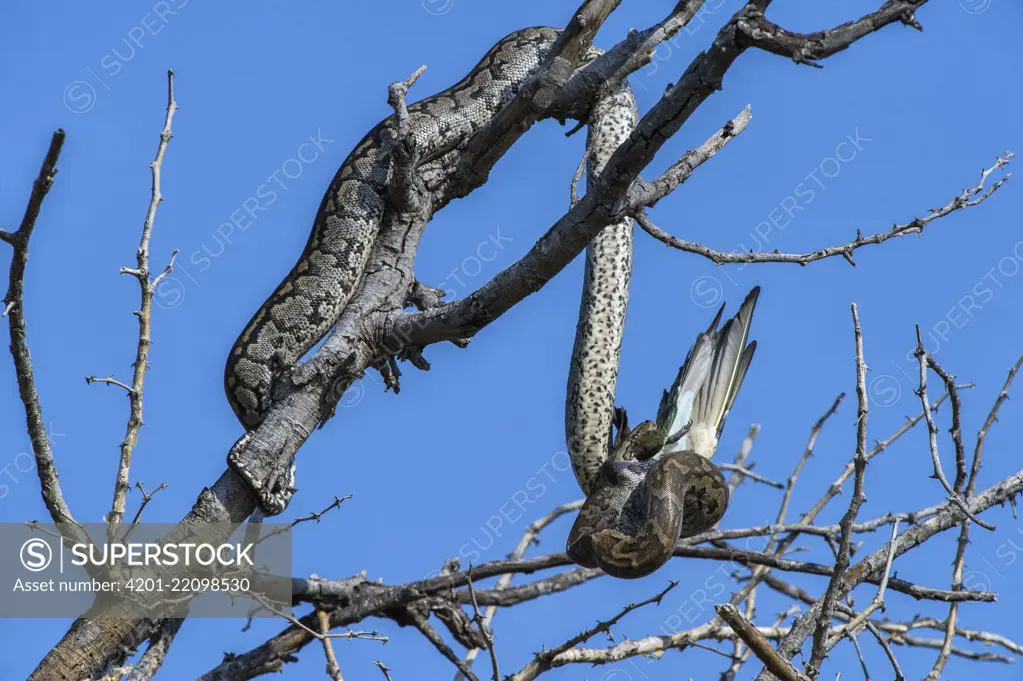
(487, 635)
(146, 498)
(527, 540)
(872, 564)
(383, 670)
(536, 96)
(747, 473)
(544, 661)
(159, 644)
(877, 603)
(967, 198)
(555, 249)
(760, 647)
(970, 483)
(992, 417)
(109, 380)
(831, 596)
(144, 314)
(881, 641)
(925, 360)
(14, 309)
(360, 598)
(779, 547)
(807, 453)
(759, 32)
(422, 623)
(333, 669)
(893, 628)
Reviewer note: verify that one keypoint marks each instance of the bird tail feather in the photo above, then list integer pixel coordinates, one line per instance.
(709, 380)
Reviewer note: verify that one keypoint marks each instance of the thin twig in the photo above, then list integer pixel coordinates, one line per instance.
(747, 473)
(898, 628)
(740, 458)
(970, 484)
(883, 642)
(146, 498)
(318, 635)
(925, 361)
(991, 419)
(953, 610)
(109, 380)
(544, 660)
(836, 487)
(333, 669)
(831, 596)
(384, 669)
(877, 603)
(956, 429)
(859, 655)
(144, 315)
(779, 547)
(312, 517)
(421, 622)
(679, 171)
(958, 652)
(908, 540)
(815, 432)
(968, 198)
(478, 619)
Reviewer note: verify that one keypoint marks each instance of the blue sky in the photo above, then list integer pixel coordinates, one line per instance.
(436, 471)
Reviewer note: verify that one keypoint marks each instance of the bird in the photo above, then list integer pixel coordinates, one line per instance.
(658, 483)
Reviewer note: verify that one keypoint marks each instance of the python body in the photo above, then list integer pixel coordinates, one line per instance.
(646, 490)
(311, 298)
(641, 498)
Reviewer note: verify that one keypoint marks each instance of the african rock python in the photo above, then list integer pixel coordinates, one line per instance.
(639, 504)
(311, 298)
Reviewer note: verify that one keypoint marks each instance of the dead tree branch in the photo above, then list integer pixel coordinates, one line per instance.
(926, 361)
(147, 286)
(376, 325)
(758, 644)
(966, 199)
(820, 635)
(14, 310)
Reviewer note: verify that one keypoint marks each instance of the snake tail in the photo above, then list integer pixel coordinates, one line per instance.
(706, 385)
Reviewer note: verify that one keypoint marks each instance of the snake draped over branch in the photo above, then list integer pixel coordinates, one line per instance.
(657, 482)
(313, 295)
